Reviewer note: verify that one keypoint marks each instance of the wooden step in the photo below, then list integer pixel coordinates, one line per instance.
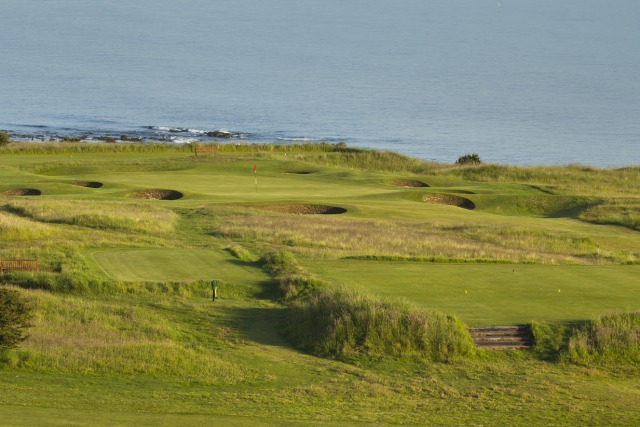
(501, 337)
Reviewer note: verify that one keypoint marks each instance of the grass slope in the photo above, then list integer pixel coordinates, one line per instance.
(155, 349)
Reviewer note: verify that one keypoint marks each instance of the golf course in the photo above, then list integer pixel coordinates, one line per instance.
(346, 280)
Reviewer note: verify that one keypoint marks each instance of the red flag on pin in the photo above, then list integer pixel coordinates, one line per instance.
(255, 168)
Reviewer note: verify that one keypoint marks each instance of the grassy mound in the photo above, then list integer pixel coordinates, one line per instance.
(341, 323)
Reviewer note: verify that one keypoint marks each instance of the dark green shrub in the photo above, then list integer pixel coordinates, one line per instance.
(548, 340)
(241, 253)
(469, 159)
(346, 324)
(279, 261)
(67, 283)
(292, 280)
(614, 338)
(4, 139)
(15, 316)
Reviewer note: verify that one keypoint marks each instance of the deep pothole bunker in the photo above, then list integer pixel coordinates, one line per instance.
(408, 183)
(156, 194)
(88, 184)
(305, 209)
(23, 192)
(301, 172)
(449, 199)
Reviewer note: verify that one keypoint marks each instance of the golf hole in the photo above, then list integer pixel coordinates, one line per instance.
(305, 209)
(23, 192)
(154, 194)
(409, 183)
(449, 199)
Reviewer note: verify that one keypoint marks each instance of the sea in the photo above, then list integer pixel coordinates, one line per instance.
(524, 82)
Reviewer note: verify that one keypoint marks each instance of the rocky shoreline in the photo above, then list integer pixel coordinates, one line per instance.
(145, 134)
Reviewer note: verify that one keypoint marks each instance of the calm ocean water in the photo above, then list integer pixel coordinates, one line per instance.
(516, 81)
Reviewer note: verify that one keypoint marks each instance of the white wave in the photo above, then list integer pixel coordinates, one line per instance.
(296, 139)
(179, 140)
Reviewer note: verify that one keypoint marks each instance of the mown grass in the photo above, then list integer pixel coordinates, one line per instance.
(119, 338)
(489, 294)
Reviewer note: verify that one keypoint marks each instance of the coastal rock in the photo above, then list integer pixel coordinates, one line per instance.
(125, 137)
(106, 138)
(219, 134)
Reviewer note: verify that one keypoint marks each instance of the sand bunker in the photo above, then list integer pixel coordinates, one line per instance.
(88, 184)
(305, 209)
(408, 183)
(449, 199)
(23, 192)
(156, 195)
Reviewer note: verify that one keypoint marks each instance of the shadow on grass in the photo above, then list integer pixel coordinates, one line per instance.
(260, 325)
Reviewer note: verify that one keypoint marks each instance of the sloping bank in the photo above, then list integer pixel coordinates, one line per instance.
(344, 323)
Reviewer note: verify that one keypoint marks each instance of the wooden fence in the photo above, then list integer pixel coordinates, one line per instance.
(207, 149)
(19, 264)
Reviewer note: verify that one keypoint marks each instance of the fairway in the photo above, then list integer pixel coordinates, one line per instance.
(176, 265)
(485, 294)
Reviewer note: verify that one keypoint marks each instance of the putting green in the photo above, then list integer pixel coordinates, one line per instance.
(484, 294)
(179, 265)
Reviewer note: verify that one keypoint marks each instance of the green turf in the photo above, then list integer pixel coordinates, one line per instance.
(178, 265)
(486, 294)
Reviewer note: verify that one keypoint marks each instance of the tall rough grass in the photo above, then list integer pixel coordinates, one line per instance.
(103, 215)
(549, 340)
(82, 283)
(90, 147)
(292, 280)
(91, 336)
(574, 180)
(346, 323)
(343, 323)
(15, 228)
(622, 211)
(63, 147)
(437, 239)
(613, 339)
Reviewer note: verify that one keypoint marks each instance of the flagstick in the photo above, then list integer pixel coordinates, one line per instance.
(255, 177)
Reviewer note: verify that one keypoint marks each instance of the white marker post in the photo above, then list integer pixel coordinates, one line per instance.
(255, 176)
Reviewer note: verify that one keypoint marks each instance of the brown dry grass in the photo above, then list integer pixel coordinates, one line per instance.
(333, 237)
